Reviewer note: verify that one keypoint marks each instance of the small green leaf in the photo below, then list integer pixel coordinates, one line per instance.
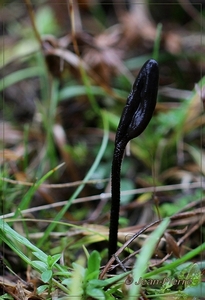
(93, 275)
(95, 293)
(53, 259)
(42, 288)
(97, 283)
(6, 296)
(107, 282)
(80, 269)
(93, 269)
(41, 257)
(39, 265)
(195, 291)
(45, 20)
(67, 281)
(46, 276)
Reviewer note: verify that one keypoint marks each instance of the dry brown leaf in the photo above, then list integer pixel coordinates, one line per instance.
(9, 135)
(104, 55)
(171, 245)
(21, 176)
(18, 290)
(138, 25)
(8, 155)
(172, 42)
(178, 231)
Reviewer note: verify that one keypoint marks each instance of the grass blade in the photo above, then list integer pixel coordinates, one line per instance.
(79, 189)
(144, 257)
(27, 198)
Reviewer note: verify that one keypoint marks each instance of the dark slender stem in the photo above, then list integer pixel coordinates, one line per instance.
(135, 117)
(115, 201)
